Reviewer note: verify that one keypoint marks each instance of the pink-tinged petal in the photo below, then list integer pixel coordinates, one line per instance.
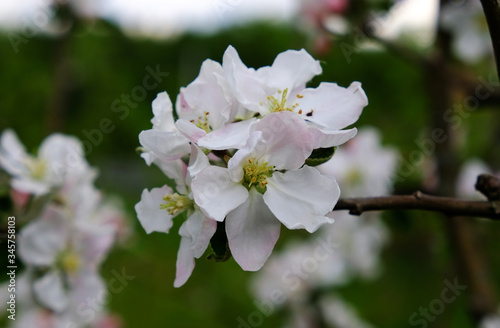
(332, 106)
(243, 81)
(206, 97)
(12, 153)
(286, 140)
(49, 291)
(19, 198)
(302, 198)
(149, 213)
(165, 145)
(216, 194)
(162, 110)
(195, 233)
(290, 69)
(189, 130)
(324, 138)
(88, 286)
(185, 262)
(41, 240)
(93, 242)
(252, 231)
(234, 135)
(200, 229)
(281, 139)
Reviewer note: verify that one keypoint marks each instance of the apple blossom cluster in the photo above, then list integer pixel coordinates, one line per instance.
(348, 249)
(242, 153)
(68, 228)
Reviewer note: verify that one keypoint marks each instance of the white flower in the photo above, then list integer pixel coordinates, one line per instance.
(159, 206)
(281, 87)
(207, 105)
(69, 253)
(163, 142)
(363, 167)
(265, 181)
(59, 159)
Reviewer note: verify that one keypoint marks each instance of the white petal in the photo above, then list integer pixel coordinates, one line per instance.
(189, 130)
(162, 110)
(290, 69)
(287, 140)
(324, 138)
(149, 213)
(233, 135)
(302, 198)
(176, 170)
(64, 156)
(49, 290)
(93, 242)
(243, 80)
(30, 186)
(165, 145)
(41, 240)
(216, 194)
(86, 288)
(252, 231)
(12, 153)
(197, 162)
(281, 139)
(332, 106)
(206, 94)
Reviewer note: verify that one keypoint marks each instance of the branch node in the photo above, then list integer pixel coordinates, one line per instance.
(489, 186)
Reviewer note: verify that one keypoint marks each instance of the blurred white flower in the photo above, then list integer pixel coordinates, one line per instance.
(159, 206)
(491, 321)
(465, 20)
(363, 167)
(467, 178)
(339, 314)
(59, 160)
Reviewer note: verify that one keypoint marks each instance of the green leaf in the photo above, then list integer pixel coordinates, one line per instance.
(320, 156)
(219, 245)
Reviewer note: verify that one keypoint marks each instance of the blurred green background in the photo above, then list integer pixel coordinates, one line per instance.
(101, 65)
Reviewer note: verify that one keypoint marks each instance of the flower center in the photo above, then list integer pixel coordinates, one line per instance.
(68, 261)
(37, 168)
(256, 175)
(354, 176)
(176, 203)
(202, 122)
(280, 105)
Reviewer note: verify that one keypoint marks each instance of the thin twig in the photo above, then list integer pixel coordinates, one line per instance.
(421, 201)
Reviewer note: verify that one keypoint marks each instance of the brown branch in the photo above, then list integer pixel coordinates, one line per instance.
(491, 10)
(421, 201)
